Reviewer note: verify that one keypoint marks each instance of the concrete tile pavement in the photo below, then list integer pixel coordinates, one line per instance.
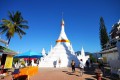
(60, 74)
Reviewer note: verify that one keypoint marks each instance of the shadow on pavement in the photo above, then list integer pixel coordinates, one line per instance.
(23, 77)
(69, 73)
(88, 79)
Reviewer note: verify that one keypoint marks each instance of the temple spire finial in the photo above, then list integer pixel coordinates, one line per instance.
(62, 15)
(62, 20)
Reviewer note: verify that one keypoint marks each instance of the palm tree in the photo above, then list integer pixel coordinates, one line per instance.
(15, 24)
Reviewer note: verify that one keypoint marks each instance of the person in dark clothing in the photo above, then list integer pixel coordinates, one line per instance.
(73, 65)
(101, 66)
(55, 63)
(91, 63)
(87, 64)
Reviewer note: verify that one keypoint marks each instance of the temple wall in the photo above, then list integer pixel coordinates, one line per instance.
(110, 56)
(118, 47)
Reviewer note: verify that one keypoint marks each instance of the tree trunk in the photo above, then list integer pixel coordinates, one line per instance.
(9, 40)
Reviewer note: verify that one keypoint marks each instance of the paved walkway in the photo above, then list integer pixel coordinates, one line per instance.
(61, 74)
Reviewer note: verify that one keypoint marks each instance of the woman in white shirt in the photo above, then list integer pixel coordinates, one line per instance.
(81, 65)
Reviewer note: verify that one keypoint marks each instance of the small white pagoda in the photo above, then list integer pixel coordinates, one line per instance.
(83, 56)
(43, 52)
(61, 54)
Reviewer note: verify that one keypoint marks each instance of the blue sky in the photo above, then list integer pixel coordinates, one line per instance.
(44, 19)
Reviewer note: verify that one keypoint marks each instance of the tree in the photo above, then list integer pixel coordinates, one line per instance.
(15, 24)
(103, 34)
(93, 58)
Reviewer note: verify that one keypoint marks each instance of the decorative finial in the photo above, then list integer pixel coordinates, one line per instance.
(62, 15)
(62, 20)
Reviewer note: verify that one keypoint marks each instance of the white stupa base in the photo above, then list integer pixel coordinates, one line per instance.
(59, 53)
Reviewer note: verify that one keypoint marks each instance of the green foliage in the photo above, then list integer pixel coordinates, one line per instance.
(15, 24)
(23, 63)
(93, 58)
(15, 60)
(103, 34)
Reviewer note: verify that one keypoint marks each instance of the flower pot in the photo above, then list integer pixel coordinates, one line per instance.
(99, 76)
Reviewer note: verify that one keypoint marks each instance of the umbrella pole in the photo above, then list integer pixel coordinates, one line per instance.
(29, 61)
(28, 78)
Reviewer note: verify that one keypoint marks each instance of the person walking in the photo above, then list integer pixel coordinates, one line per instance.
(73, 65)
(81, 65)
(91, 63)
(87, 64)
(59, 62)
(55, 64)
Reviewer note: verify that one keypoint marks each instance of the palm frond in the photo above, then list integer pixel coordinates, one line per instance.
(2, 27)
(23, 26)
(10, 15)
(5, 29)
(7, 23)
(20, 32)
(24, 21)
(18, 17)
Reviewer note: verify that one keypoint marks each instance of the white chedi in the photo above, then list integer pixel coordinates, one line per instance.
(61, 54)
(43, 52)
(33, 64)
(83, 56)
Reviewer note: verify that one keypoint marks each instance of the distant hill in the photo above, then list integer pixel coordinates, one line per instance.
(95, 55)
(86, 53)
